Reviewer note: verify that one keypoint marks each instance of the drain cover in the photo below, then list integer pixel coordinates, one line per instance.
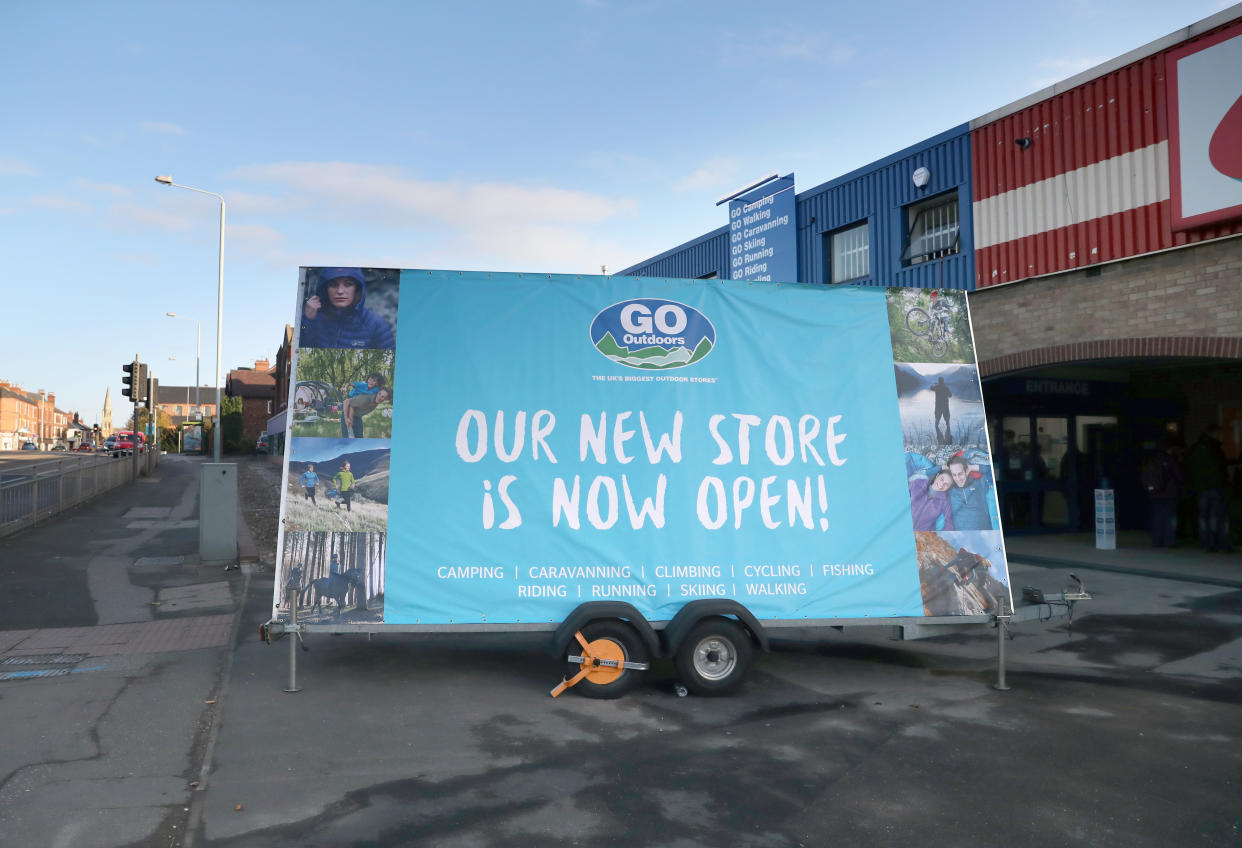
(44, 659)
(26, 675)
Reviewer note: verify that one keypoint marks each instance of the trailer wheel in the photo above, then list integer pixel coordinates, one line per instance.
(714, 657)
(609, 639)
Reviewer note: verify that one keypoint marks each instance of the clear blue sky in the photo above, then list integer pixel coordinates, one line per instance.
(507, 136)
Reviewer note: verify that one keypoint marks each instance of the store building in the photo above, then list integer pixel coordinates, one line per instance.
(1097, 226)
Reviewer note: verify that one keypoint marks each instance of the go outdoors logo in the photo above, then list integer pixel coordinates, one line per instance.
(653, 334)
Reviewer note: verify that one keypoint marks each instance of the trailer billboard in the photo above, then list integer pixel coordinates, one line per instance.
(470, 448)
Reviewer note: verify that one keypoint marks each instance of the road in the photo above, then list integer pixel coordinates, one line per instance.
(1122, 729)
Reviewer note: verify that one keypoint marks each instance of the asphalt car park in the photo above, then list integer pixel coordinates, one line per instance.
(1119, 727)
(454, 740)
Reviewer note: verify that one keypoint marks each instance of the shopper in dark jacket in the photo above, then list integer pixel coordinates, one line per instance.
(1162, 481)
(336, 314)
(1205, 476)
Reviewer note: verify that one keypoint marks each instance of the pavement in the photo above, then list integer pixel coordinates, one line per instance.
(112, 595)
(114, 642)
(1133, 554)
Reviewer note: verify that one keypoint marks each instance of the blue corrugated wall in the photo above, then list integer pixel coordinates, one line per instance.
(878, 193)
(707, 254)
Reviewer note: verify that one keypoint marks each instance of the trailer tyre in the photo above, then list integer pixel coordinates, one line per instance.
(609, 639)
(714, 656)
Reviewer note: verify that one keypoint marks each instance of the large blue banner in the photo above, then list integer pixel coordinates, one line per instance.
(534, 442)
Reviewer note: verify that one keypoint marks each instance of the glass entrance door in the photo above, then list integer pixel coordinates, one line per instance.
(1042, 473)
(1049, 451)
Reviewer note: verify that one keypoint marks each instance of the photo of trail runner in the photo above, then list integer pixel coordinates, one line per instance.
(337, 485)
(344, 394)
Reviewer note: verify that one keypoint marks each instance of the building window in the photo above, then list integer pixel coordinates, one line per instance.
(931, 229)
(178, 410)
(849, 253)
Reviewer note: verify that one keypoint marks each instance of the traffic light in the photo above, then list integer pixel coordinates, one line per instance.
(153, 392)
(135, 381)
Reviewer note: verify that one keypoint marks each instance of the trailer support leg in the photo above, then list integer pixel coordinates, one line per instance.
(295, 636)
(1001, 627)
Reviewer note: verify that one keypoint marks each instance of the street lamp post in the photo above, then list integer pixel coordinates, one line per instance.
(198, 344)
(166, 180)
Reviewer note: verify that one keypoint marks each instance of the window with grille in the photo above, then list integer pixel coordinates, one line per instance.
(849, 253)
(932, 229)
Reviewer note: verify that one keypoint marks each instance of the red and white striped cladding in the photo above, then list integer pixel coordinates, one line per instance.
(1093, 185)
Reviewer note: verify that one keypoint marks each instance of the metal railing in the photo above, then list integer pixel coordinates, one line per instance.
(33, 491)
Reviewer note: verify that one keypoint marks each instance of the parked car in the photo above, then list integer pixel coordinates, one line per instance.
(59, 448)
(261, 445)
(85, 447)
(125, 441)
(29, 446)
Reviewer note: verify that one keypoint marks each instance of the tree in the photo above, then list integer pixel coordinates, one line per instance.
(232, 422)
(162, 420)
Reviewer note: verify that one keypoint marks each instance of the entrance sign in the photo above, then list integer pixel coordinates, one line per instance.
(1105, 519)
(533, 442)
(763, 241)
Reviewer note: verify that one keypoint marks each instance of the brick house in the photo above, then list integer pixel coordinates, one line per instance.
(256, 387)
(30, 417)
(183, 403)
(280, 400)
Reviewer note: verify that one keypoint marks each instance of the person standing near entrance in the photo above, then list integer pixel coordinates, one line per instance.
(1162, 481)
(1205, 476)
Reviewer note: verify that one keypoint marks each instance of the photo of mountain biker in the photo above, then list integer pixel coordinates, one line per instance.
(940, 311)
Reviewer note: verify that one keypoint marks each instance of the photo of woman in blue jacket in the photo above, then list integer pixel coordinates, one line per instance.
(336, 314)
